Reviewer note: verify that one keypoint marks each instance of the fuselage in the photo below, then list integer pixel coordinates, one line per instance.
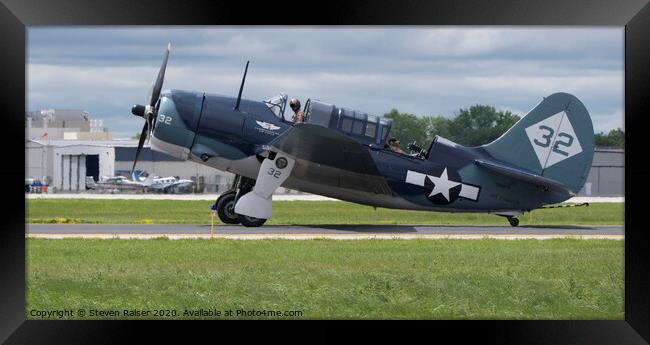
(206, 128)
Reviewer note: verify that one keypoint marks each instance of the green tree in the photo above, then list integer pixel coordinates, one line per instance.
(615, 138)
(135, 136)
(480, 124)
(408, 128)
(438, 125)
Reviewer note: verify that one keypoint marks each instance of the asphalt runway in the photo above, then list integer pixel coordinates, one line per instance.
(179, 231)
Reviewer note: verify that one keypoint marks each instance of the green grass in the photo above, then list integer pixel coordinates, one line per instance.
(296, 212)
(361, 279)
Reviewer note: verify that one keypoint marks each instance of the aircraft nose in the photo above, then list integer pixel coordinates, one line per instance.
(138, 110)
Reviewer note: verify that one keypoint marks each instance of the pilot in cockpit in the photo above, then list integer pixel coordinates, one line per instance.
(393, 145)
(298, 116)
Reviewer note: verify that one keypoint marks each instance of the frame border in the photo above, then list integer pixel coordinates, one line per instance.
(16, 15)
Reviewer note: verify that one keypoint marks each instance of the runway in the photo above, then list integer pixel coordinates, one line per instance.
(183, 231)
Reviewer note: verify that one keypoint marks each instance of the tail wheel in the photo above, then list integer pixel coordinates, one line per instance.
(226, 208)
(513, 221)
(251, 222)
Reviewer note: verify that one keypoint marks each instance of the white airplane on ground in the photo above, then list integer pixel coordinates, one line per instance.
(172, 184)
(169, 184)
(118, 183)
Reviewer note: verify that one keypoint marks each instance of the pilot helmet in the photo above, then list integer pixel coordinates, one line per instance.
(294, 104)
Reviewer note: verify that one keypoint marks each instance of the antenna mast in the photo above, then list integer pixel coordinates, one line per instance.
(241, 88)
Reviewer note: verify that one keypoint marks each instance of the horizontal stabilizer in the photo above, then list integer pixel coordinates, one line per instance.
(524, 176)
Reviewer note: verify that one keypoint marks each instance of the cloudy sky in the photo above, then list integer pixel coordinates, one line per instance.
(420, 70)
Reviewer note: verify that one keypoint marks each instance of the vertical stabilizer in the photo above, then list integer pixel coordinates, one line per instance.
(554, 140)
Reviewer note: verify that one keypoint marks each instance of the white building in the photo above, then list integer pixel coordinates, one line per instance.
(64, 164)
(70, 124)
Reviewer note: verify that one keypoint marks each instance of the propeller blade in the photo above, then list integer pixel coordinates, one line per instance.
(150, 125)
(157, 86)
(143, 137)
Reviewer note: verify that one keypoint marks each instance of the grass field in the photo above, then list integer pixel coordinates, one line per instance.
(364, 279)
(296, 212)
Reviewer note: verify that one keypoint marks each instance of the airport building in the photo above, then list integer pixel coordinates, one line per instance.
(63, 146)
(64, 124)
(64, 164)
(607, 174)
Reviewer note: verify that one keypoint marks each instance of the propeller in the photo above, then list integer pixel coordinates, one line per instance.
(148, 112)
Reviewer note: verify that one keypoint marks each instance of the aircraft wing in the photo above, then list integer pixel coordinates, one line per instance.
(327, 157)
(524, 176)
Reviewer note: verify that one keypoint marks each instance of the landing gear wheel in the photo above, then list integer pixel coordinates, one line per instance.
(226, 208)
(513, 221)
(251, 222)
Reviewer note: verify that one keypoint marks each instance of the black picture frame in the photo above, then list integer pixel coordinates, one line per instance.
(15, 15)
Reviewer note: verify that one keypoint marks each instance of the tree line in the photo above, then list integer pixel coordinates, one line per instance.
(475, 126)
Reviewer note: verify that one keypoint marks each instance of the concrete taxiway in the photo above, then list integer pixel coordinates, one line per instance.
(181, 231)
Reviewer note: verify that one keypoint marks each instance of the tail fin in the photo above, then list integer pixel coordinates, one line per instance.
(554, 140)
(148, 181)
(135, 175)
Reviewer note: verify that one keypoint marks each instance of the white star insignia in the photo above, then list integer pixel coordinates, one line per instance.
(442, 184)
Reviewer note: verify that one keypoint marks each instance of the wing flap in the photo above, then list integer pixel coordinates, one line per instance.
(327, 157)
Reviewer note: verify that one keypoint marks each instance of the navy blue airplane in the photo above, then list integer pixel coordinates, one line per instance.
(341, 153)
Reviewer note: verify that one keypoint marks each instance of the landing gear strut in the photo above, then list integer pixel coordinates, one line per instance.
(226, 203)
(513, 221)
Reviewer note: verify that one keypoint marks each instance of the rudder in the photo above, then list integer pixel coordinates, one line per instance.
(555, 140)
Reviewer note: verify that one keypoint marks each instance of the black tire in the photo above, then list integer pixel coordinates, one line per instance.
(513, 221)
(226, 208)
(251, 222)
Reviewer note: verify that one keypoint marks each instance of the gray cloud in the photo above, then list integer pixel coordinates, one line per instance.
(423, 70)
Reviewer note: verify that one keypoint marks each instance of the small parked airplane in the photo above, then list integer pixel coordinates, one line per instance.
(171, 184)
(341, 153)
(117, 183)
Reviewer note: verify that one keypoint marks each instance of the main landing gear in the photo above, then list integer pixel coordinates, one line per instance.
(226, 203)
(513, 221)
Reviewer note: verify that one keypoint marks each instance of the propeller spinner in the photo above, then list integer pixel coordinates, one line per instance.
(148, 112)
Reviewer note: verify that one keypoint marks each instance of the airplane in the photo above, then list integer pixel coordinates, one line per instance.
(341, 153)
(171, 184)
(118, 183)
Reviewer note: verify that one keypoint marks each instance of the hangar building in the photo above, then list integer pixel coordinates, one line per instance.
(64, 164)
(607, 174)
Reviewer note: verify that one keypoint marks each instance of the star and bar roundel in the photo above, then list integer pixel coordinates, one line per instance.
(443, 185)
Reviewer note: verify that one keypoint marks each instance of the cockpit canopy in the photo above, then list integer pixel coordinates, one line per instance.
(277, 104)
(365, 128)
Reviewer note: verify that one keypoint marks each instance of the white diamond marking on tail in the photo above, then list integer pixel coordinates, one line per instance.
(566, 144)
(553, 140)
